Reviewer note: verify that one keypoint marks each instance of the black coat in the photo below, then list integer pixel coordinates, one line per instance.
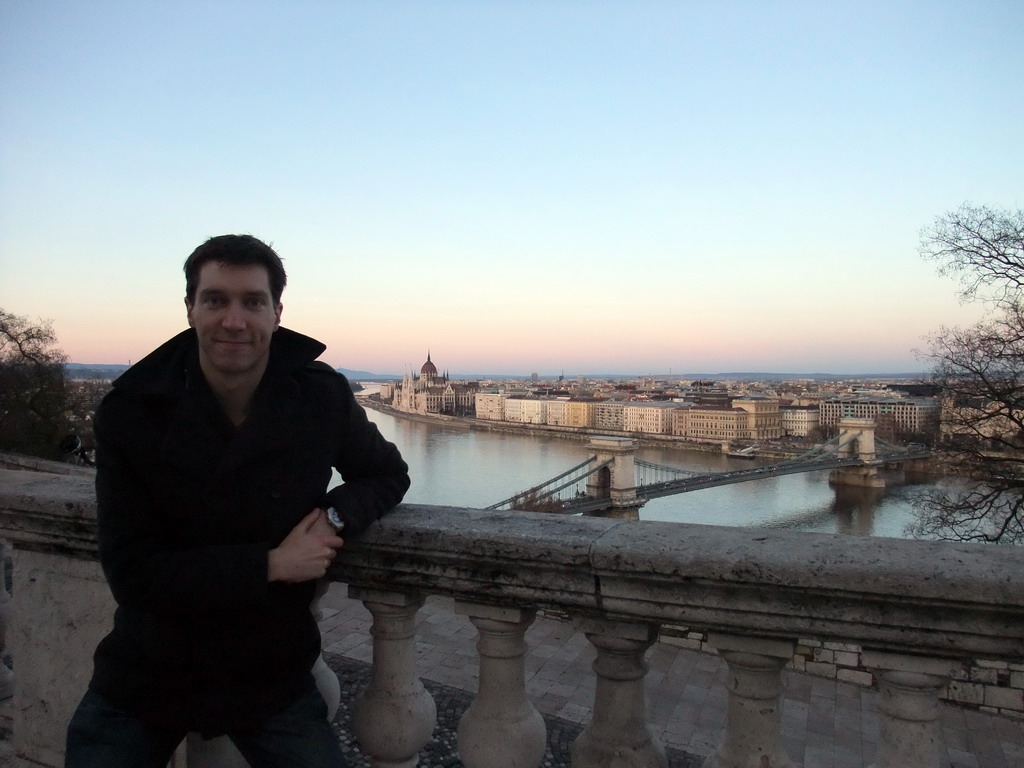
(188, 509)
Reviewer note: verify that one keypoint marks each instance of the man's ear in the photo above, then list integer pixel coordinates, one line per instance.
(188, 313)
(277, 313)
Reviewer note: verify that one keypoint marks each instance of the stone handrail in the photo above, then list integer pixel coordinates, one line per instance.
(920, 610)
(955, 600)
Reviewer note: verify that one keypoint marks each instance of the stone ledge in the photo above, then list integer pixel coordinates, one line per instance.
(833, 593)
(48, 512)
(954, 600)
(1003, 693)
(35, 464)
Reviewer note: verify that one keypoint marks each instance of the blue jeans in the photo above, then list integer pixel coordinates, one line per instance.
(102, 735)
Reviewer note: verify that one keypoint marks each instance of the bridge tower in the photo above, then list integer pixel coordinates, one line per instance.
(617, 481)
(857, 438)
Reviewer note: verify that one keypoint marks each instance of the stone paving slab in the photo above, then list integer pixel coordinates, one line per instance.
(825, 723)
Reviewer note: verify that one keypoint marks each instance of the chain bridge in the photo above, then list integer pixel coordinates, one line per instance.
(613, 480)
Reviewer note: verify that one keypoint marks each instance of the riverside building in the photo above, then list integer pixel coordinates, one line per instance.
(525, 410)
(800, 420)
(490, 406)
(431, 392)
(748, 418)
(700, 413)
(608, 415)
(894, 417)
(648, 417)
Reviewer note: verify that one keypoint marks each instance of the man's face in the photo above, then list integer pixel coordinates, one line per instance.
(234, 316)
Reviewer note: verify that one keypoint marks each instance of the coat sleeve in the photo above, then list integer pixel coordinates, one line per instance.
(375, 475)
(145, 563)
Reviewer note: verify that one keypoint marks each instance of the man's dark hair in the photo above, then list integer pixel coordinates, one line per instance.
(235, 251)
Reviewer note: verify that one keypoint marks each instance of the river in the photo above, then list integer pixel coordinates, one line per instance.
(458, 466)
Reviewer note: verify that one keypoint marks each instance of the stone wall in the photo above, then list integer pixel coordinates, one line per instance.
(991, 686)
(19, 461)
(914, 613)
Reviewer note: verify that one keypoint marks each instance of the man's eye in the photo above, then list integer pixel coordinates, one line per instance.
(214, 301)
(256, 303)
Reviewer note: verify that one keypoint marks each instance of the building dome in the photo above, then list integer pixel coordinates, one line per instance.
(429, 370)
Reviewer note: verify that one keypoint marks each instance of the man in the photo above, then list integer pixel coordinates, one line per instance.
(214, 454)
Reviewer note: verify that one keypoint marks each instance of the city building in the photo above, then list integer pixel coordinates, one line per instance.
(558, 413)
(525, 410)
(580, 412)
(748, 418)
(800, 420)
(425, 392)
(490, 405)
(650, 417)
(764, 419)
(460, 399)
(702, 411)
(894, 417)
(608, 415)
(706, 422)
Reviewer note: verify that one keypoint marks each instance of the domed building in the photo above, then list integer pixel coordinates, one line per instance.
(431, 392)
(428, 371)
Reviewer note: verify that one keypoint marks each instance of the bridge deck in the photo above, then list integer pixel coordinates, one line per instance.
(691, 482)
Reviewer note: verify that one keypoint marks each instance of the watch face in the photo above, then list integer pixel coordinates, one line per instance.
(335, 519)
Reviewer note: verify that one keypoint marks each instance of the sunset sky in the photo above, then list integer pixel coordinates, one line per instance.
(631, 187)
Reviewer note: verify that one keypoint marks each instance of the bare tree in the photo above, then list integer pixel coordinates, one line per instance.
(983, 248)
(33, 387)
(980, 371)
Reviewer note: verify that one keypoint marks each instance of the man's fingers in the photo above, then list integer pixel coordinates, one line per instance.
(307, 523)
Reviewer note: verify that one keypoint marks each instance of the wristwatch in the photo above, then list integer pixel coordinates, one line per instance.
(335, 519)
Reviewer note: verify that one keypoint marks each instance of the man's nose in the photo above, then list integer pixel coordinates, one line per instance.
(234, 317)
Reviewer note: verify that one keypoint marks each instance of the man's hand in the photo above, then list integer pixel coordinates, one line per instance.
(306, 552)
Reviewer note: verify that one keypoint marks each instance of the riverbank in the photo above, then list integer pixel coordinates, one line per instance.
(579, 434)
(454, 464)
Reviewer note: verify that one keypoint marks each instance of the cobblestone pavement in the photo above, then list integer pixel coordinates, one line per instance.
(825, 723)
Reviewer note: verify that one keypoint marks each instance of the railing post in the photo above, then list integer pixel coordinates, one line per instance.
(394, 717)
(501, 728)
(618, 735)
(908, 706)
(326, 680)
(753, 725)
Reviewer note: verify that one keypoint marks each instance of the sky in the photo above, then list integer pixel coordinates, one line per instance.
(627, 187)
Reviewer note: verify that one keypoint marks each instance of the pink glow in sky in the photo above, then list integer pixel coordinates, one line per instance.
(532, 186)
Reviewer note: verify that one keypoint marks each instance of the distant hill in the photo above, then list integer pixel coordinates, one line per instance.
(762, 376)
(367, 376)
(94, 371)
(103, 371)
(734, 376)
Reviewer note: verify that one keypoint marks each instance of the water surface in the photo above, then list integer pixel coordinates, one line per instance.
(459, 466)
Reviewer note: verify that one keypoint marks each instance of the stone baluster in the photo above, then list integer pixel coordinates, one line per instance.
(618, 735)
(501, 728)
(210, 753)
(394, 717)
(754, 716)
(326, 680)
(908, 708)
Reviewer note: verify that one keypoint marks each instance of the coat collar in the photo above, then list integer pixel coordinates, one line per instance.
(192, 440)
(164, 371)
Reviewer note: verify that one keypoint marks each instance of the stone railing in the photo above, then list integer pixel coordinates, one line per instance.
(920, 611)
